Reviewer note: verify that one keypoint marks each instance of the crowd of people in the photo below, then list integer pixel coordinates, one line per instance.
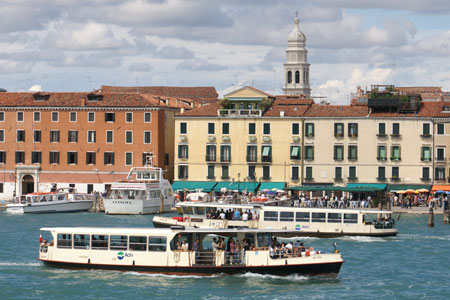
(303, 200)
(232, 214)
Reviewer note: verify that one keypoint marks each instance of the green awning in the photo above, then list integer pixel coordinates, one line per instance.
(272, 186)
(367, 187)
(402, 187)
(204, 186)
(236, 186)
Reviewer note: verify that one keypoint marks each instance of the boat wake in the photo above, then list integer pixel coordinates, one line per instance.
(170, 276)
(293, 277)
(424, 237)
(14, 264)
(363, 239)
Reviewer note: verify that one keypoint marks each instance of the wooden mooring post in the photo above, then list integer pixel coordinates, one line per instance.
(430, 217)
(445, 213)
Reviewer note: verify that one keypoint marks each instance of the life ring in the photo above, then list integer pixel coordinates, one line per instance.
(186, 219)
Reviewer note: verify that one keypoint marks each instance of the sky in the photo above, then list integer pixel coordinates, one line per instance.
(79, 45)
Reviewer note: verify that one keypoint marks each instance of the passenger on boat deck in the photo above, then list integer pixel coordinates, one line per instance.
(184, 246)
(215, 245)
(271, 250)
(297, 243)
(196, 248)
(245, 216)
(178, 246)
(236, 215)
(302, 247)
(289, 248)
(222, 215)
(221, 245)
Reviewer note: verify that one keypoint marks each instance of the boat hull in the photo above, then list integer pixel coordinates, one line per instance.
(329, 269)
(50, 208)
(135, 207)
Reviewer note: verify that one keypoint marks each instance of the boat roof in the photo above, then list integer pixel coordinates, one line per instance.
(284, 208)
(162, 231)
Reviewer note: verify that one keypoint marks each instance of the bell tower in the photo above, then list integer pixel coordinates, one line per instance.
(296, 68)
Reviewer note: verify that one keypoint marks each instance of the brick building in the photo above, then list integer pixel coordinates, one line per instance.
(85, 140)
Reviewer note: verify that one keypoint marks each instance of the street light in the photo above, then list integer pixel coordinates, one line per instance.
(239, 187)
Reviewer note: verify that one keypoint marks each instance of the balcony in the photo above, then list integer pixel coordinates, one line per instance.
(381, 178)
(426, 135)
(382, 158)
(440, 159)
(396, 159)
(239, 112)
(225, 158)
(381, 135)
(309, 179)
(425, 179)
(210, 158)
(339, 179)
(425, 159)
(339, 135)
(252, 158)
(352, 178)
(395, 178)
(266, 159)
(396, 135)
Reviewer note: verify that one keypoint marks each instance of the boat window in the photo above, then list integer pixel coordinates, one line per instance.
(49, 198)
(264, 239)
(64, 240)
(318, 217)
(155, 193)
(250, 238)
(334, 218)
(130, 194)
(199, 210)
(350, 218)
(302, 216)
(138, 243)
(61, 197)
(81, 241)
(187, 210)
(42, 199)
(118, 242)
(287, 216)
(156, 243)
(270, 216)
(99, 242)
(35, 199)
(169, 192)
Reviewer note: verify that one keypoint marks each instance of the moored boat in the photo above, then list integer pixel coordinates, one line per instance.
(301, 221)
(51, 202)
(145, 191)
(181, 251)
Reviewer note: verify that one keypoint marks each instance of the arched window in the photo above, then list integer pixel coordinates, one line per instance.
(297, 77)
(289, 79)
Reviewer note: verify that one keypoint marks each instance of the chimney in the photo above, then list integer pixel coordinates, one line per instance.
(359, 91)
(83, 101)
(281, 113)
(182, 110)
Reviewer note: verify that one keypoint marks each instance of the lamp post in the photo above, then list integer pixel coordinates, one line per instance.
(239, 187)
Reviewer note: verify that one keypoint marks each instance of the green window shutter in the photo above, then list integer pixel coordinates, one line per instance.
(382, 129)
(225, 128)
(295, 128)
(426, 129)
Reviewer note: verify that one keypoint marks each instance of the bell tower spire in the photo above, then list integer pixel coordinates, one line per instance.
(296, 68)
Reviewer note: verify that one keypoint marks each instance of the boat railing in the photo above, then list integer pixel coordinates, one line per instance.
(221, 257)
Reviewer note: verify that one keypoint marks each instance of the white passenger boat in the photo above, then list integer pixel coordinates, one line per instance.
(154, 250)
(145, 191)
(320, 222)
(51, 202)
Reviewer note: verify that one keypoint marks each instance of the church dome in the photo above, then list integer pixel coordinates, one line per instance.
(296, 35)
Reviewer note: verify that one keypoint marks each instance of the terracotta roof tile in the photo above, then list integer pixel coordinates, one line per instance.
(418, 89)
(58, 99)
(318, 110)
(199, 94)
(208, 110)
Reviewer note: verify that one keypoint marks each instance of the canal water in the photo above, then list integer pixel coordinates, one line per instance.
(413, 265)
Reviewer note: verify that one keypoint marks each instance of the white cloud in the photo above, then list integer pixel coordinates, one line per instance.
(35, 88)
(91, 36)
